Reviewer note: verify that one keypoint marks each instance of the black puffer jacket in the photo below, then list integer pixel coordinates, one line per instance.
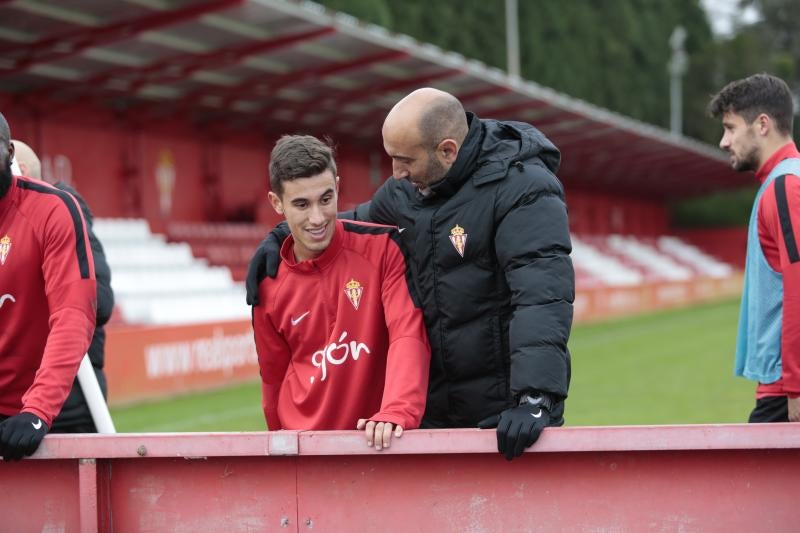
(75, 415)
(499, 317)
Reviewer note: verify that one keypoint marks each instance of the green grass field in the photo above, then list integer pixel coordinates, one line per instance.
(668, 368)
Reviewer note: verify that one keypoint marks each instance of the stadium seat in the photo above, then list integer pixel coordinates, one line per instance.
(603, 267)
(223, 244)
(159, 283)
(695, 257)
(617, 260)
(659, 264)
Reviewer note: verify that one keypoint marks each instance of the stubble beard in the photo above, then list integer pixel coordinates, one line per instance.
(748, 162)
(435, 171)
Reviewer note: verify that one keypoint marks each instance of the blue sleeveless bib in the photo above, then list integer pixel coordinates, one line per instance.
(758, 341)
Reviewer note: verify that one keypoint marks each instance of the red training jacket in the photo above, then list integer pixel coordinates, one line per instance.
(778, 224)
(339, 337)
(47, 297)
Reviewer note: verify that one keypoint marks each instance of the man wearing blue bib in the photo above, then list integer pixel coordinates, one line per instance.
(757, 115)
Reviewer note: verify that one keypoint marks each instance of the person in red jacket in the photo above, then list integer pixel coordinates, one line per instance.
(757, 119)
(75, 416)
(341, 343)
(47, 303)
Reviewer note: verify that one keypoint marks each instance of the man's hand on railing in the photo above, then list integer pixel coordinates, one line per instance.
(21, 435)
(519, 427)
(379, 433)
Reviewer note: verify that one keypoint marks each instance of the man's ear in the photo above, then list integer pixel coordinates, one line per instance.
(448, 151)
(276, 202)
(337, 185)
(764, 124)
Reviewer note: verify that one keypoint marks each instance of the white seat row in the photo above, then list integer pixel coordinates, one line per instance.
(156, 282)
(209, 306)
(183, 280)
(692, 255)
(605, 268)
(148, 254)
(113, 230)
(642, 254)
(617, 260)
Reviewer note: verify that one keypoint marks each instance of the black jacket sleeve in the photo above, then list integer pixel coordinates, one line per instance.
(533, 246)
(379, 210)
(105, 294)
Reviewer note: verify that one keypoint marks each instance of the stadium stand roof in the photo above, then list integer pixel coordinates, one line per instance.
(280, 66)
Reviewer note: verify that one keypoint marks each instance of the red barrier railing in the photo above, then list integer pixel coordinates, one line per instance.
(645, 478)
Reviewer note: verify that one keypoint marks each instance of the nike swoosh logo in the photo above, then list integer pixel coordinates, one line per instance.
(37, 425)
(297, 320)
(400, 230)
(537, 415)
(5, 297)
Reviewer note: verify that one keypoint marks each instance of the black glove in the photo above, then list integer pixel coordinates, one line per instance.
(21, 435)
(517, 428)
(265, 261)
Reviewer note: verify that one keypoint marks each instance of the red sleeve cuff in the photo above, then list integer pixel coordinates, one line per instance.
(397, 420)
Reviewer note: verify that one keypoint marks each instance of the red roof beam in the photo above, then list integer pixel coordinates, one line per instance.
(556, 117)
(642, 162)
(274, 83)
(568, 138)
(617, 158)
(165, 71)
(670, 159)
(363, 94)
(525, 105)
(294, 78)
(397, 85)
(305, 75)
(180, 67)
(494, 90)
(71, 44)
(628, 144)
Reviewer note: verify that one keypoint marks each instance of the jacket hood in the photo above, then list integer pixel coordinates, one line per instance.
(491, 147)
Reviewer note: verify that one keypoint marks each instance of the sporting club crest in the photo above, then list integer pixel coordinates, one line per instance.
(5, 248)
(459, 239)
(353, 290)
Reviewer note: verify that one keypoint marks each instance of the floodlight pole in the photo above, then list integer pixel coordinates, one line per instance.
(677, 69)
(512, 38)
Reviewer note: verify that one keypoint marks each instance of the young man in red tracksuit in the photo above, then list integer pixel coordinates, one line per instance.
(757, 117)
(341, 343)
(47, 303)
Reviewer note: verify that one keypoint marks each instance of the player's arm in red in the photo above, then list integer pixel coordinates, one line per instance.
(409, 355)
(68, 270)
(273, 360)
(786, 229)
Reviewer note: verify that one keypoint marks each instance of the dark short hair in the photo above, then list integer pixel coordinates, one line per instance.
(299, 156)
(756, 94)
